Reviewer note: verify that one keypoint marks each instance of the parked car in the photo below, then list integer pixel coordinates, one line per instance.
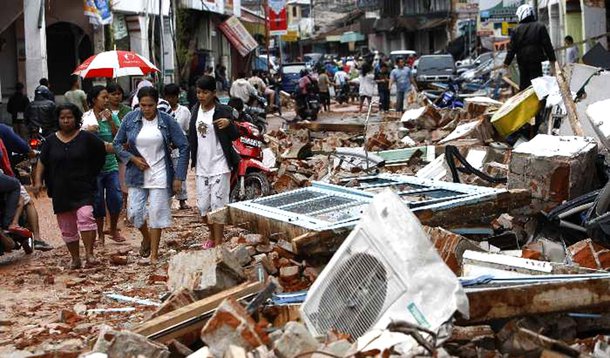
(484, 68)
(435, 68)
(291, 73)
(404, 54)
(470, 63)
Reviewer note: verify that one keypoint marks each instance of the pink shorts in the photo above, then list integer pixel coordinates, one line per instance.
(72, 222)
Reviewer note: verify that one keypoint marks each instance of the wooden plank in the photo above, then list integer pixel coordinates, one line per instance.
(566, 94)
(263, 225)
(196, 309)
(507, 302)
(477, 212)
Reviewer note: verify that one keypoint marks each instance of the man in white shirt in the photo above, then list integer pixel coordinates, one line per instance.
(211, 135)
(242, 89)
(182, 115)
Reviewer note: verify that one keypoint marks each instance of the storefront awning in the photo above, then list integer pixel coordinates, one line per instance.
(351, 37)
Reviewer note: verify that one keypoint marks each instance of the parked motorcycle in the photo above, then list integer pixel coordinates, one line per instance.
(308, 106)
(448, 97)
(249, 181)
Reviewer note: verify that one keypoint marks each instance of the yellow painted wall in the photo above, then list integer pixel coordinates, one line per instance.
(573, 27)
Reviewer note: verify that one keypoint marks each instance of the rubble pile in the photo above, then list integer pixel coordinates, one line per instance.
(460, 232)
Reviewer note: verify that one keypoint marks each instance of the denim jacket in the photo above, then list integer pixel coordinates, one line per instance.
(125, 147)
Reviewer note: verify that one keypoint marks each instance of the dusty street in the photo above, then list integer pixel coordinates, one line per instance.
(45, 306)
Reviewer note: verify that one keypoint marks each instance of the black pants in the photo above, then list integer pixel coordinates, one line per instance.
(325, 99)
(527, 72)
(384, 99)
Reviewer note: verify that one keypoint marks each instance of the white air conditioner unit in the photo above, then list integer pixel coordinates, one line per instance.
(386, 270)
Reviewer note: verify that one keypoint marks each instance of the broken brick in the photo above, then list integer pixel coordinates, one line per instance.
(231, 325)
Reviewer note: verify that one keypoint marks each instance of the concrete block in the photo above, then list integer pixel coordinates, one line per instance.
(553, 168)
(295, 340)
(204, 272)
(231, 325)
(242, 255)
(128, 344)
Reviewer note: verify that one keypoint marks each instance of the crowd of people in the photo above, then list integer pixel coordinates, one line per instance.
(358, 81)
(101, 157)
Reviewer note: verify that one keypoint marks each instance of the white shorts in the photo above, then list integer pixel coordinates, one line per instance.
(25, 196)
(151, 206)
(213, 192)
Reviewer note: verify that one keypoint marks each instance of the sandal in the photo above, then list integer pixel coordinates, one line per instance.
(117, 237)
(208, 244)
(144, 251)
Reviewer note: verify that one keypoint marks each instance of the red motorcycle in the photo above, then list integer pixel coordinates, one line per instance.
(250, 180)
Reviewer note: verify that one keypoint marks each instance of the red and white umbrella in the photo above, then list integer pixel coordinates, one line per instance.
(112, 64)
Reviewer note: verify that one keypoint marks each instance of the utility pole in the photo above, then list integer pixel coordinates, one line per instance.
(267, 37)
(162, 43)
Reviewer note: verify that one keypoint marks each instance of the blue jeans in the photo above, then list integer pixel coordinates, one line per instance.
(400, 100)
(108, 194)
(384, 99)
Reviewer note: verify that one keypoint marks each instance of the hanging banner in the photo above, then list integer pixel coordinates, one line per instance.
(233, 7)
(278, 17)
(119, 27)
(98, 11)
(238, 36)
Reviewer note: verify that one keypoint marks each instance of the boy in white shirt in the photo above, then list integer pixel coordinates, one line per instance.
(182, 115)
(211, 134)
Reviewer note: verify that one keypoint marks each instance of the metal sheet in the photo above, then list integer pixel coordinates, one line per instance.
(327, 207)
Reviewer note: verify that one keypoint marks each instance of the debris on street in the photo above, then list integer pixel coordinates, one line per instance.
(475, 223)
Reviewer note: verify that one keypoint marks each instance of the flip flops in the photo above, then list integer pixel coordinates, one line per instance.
(144, 251)
(208, 244)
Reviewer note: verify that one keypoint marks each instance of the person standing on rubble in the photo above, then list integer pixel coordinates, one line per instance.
(401, 75)
(70, 161)
(211, 134)
(144, 142)
(531, 43)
